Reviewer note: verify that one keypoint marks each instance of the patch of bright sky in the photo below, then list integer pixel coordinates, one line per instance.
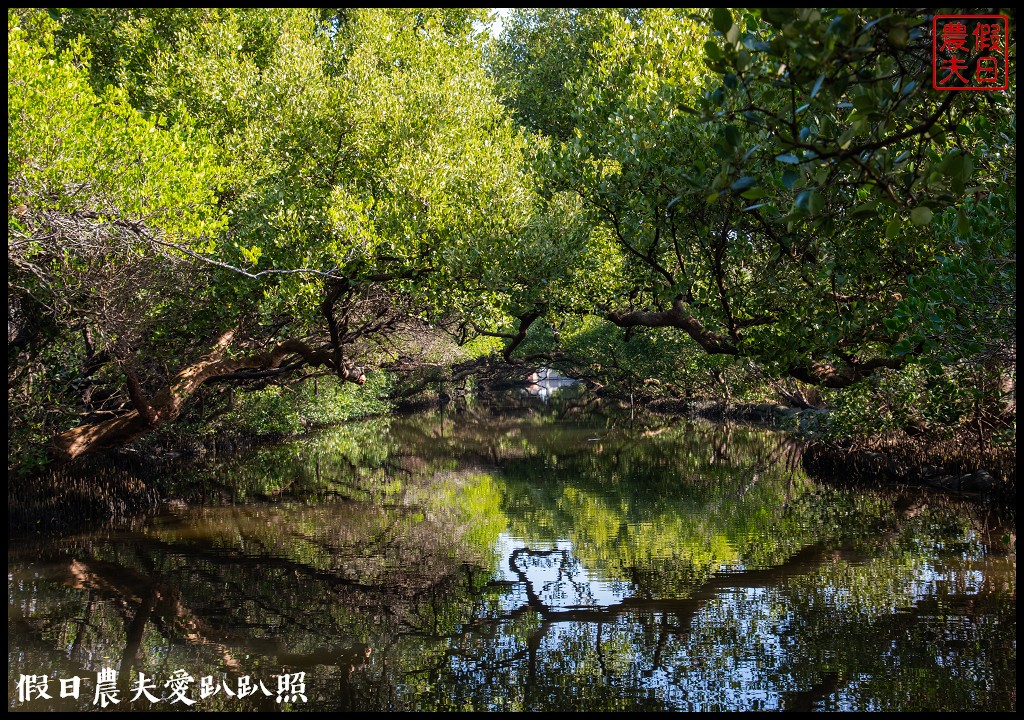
(499, 17)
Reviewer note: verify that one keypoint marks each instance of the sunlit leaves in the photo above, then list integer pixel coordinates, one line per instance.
(69, 150)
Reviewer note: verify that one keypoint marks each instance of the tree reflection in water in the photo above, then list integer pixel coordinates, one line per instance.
(498, 563)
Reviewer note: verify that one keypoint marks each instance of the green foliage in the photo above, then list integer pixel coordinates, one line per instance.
(854, 159)
(965, 305)
(288, 410)
(784, 178)
(895, 400)
(94, 188)
(269, 411)
(775, 188)
(646, 362)
(370, 150)
(330, 402)
(538, 56)
(70, 150)
(939, 399)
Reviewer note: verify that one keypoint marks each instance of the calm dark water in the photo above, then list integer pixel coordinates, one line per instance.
(482, 562)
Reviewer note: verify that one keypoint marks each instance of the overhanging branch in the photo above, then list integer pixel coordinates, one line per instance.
(167, 405)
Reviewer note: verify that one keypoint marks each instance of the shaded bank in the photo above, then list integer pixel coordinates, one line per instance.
(947, 463)
(65, 500)
(111, 488)
(945, 459)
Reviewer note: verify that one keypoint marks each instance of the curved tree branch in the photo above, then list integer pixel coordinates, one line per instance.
(813, 372)
(677, 316)
(167, 405)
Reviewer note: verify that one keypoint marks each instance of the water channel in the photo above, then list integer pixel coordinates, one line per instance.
(498, 561)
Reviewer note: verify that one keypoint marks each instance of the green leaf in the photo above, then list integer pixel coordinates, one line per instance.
(744, 183)
(898, 37)
(952, 165)
(810, 201)
(722, 20)
(962, 224)
(968, 168)
(816, 203)
(788, 158)
(732, 135)
(892, 229)
(903, 347)
(921, 215)
(865, 210)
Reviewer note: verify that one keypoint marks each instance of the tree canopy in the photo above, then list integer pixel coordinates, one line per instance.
(207, 198)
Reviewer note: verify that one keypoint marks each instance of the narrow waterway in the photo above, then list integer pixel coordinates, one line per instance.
(493, 562)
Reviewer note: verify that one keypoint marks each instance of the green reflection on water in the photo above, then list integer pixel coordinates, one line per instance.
(487, 562)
